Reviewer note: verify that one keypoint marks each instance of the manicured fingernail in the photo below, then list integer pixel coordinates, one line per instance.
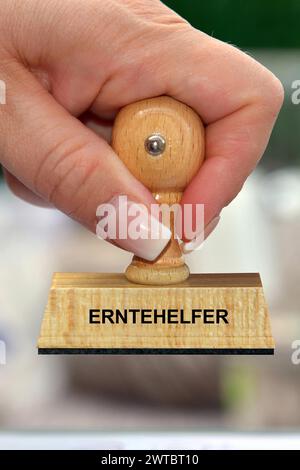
(192, 245)
(130, 226)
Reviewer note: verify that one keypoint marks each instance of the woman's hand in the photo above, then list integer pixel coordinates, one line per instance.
(61, 60)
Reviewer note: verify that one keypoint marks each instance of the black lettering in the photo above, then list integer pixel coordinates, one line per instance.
(222, 314)
(93, 316)
(159, 315)
(121, 316)
(107, 315)
(208, 316)
(183, 320)
(172, 314)
(146, 314)
(134, 312)
(195, 314)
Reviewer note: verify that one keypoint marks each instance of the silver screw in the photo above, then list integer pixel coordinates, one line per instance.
(155, 144)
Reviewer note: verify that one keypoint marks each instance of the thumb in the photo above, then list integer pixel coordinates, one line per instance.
(54, 155)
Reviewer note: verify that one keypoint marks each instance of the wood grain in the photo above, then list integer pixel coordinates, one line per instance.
(65, 324)
(75, 280)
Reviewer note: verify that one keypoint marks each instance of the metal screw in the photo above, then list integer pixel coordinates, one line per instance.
(155, 144)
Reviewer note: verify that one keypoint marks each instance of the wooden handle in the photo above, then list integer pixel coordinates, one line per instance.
(161, 141)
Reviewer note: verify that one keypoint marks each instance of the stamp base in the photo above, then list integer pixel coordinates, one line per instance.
(66, 328)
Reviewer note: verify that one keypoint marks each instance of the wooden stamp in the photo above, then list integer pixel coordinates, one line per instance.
(157, 307)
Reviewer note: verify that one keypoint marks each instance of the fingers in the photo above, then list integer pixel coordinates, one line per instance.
(239, 100)
(62, 161)
(233, 146)
(55, 156)
(20, 190)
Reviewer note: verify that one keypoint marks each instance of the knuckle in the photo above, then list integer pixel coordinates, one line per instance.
(264, 88)
(271, 93)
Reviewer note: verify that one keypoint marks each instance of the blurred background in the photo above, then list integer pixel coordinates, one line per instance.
(258, 232)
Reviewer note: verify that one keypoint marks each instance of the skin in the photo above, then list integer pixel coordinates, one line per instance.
(70, 66)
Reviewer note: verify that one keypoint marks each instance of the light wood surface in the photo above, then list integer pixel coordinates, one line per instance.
(113, 280)
(66, 321)
(166, 176)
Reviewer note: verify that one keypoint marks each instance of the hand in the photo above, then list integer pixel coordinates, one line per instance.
(61, 60)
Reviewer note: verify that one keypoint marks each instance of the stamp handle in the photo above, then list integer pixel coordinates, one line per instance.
(161, 141)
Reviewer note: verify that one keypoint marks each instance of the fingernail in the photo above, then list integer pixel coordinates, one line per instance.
(131, 226)
(192, 245)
